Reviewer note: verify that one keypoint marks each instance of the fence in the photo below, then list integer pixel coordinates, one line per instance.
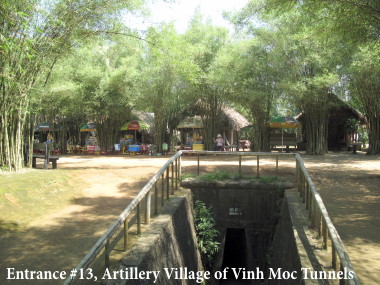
(321, 221)
(310, 197)
(173, 166)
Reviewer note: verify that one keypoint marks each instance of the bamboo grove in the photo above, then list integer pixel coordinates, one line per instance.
(71, 61)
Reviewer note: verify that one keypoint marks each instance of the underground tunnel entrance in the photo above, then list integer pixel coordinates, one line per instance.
(235, 253)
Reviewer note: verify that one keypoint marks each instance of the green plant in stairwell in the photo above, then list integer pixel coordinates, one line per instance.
(206, 233)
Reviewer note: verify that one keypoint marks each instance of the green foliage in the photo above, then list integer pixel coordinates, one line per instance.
(228, 176)
(206, 233)
(352, 125)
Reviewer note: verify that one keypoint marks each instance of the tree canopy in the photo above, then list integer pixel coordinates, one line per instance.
(75, 61)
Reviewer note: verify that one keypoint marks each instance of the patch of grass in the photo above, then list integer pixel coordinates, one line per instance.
(27, 195)
(227, 176)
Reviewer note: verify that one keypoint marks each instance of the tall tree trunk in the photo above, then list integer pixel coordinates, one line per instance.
(316, 130)
(210, 109)
(374, 135)
(260, 138)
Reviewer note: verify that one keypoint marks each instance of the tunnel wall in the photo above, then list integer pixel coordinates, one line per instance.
(255, 207)
(283, 251)
(266, 215)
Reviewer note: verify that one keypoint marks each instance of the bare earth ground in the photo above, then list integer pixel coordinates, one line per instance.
(349, 185)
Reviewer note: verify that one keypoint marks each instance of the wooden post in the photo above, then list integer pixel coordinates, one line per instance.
(162, 188)
(343, 281)
(304, 191)
(312, 212)
(167, 183)
(155, 198)
(324, 233)
(258, 166)
(147, 208)
(172, 166)
(198, 165)
(310, 202)
(138, 210)
(300, 184)
(125, 234)
(333, 256)
(319, 227)
(176, 173)
(179, 168)
(276, 165)
(107, 254)
(239, 165)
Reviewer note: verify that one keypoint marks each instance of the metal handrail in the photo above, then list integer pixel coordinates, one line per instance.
(104, 240)
(321, 219)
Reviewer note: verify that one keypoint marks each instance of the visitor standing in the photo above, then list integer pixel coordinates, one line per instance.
(219, 142)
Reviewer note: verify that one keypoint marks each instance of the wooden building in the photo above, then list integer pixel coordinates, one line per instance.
(340, 135)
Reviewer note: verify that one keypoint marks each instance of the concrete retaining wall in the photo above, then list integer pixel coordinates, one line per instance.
(169, 242)
(283, 251)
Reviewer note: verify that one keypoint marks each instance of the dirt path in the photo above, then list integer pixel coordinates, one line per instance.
(350, 188)
(59, 240)
(349, 185)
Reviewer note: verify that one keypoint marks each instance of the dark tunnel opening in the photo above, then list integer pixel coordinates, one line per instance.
(235, 253)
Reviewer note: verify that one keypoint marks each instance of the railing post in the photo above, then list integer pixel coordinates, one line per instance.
(324, 234)
(138, 210)
(276, 165)
(239, 165)
(172, 166)
(310, 202)
(343, 280)
(125, 234)
(162, 189)
(147, 208)
(107, 254)
(319, 227)
(179, 168)
(258, 166)
(300, 181)
(312, 210)
(304, 188)
(176, 173)
(198, 165)
(333, 256)
(167, 183)
(155, 198)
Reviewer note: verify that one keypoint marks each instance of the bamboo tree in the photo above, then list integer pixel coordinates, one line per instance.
(168, 70)
(33, 35)
(335, 29)
(365, 85)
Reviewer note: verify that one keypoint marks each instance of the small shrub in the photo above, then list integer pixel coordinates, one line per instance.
(206, 233)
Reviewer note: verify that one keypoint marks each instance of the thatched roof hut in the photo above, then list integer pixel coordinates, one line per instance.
(234, 120)
(191, 123)
(146, 117)
(230, 122)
